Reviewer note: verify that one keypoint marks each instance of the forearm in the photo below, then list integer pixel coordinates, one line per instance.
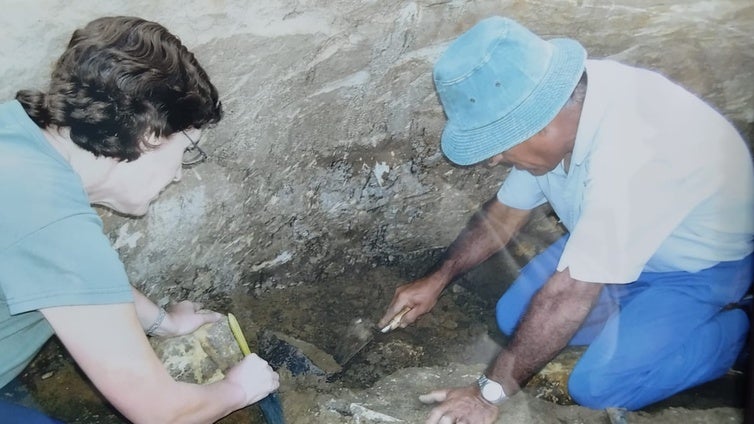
(109, 346)
(488, 231)
(192, 403)
(554, 315)
(146, 310)
(163, 400)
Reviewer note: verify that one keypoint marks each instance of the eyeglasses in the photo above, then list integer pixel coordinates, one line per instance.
(193, 154)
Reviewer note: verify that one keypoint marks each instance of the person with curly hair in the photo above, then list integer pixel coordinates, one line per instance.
(121, 117)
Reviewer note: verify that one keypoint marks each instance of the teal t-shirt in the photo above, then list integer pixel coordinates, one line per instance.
(53, 251)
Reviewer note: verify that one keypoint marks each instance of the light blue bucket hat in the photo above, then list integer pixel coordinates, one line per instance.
(500, 84)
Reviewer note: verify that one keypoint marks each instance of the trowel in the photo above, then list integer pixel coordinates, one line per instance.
(359, 333)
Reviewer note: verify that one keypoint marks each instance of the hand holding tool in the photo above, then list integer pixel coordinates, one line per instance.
(270, 406)
(393, 324)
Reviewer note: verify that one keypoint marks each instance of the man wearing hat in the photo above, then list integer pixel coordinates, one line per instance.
(656, 190)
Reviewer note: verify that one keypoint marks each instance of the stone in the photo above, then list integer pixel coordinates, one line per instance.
(296, 356)
(200, 357)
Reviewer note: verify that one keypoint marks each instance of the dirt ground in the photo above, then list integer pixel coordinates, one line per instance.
(460, 329)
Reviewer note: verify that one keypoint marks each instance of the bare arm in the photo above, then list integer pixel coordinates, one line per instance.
(108, 343)
(554, 315)
(488, 231)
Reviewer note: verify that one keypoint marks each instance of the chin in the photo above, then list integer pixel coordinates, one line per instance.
(131, 210)
(135, 210)
(139, 213)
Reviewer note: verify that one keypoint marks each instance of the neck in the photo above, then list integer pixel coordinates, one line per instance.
(94, 171)
(573, 116)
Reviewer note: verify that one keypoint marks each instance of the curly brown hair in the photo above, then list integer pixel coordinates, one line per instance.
(120, 80)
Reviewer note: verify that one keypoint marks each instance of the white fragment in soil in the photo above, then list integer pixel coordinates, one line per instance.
(360, 411)
(126, 239)
(380, 169)
(279, 260)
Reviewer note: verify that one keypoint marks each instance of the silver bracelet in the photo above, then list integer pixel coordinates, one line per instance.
(157, 322)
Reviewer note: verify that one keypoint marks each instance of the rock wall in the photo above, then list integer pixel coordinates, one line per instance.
(328, 157)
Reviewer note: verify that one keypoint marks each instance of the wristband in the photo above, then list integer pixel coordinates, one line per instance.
(157, 322)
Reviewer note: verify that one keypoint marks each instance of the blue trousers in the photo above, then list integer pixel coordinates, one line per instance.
(11, 413)
(649, 339)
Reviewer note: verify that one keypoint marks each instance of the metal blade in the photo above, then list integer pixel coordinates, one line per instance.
(358, 334)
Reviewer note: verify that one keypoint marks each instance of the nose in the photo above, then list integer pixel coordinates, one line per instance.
(178, 174)
(495, 160)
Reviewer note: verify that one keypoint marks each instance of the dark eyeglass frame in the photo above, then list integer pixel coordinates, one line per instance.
(194, 148)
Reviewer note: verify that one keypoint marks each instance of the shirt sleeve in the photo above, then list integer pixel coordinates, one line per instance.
(68, 262)
(521, 190)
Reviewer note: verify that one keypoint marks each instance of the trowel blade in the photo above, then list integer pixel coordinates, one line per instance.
(358, 334)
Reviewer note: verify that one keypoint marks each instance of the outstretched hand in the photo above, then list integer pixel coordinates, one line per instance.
(420, 295)
(185, 317)
(462, 405)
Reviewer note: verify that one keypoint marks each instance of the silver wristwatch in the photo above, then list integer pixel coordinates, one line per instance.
(492, 391)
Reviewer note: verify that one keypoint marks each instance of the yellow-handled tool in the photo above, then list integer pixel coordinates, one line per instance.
(235, 328)
(270, 406)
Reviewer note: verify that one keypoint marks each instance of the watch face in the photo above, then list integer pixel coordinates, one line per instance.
(492, 391)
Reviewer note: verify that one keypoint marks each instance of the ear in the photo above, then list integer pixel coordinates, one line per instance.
(150, 141)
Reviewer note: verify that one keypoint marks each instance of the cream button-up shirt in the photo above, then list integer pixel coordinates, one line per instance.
(659, 181)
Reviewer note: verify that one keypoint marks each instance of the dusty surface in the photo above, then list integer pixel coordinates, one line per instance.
(448, 347)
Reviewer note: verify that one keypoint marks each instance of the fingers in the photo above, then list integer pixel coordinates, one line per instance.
(255, 376)
(188, 307)
(434, 397)
(210, 316)
(460, 405)
(409, 318)
(437, 416)
(183, 305)
(206, 315)
(391, 312)
(397, 321)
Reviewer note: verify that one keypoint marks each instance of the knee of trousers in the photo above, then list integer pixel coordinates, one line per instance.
(506, 322)
(589, 389)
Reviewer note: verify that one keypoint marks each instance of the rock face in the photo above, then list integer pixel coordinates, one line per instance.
(328, 156)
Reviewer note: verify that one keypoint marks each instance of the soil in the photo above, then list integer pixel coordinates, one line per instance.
(460, 329)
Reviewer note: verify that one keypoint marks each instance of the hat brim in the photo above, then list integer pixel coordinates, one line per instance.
(467, 146)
